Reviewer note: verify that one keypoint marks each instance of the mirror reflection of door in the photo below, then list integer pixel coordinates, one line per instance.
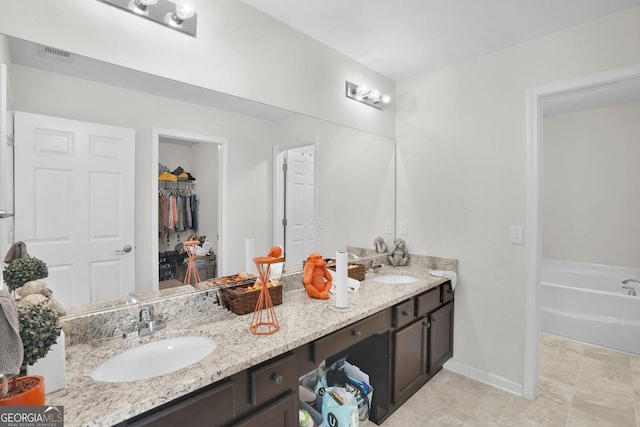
(297, 197)
(74, 204)
(6, 166)
(195, 165)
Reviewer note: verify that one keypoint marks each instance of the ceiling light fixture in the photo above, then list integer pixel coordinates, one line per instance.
(179, 15)
(362, 93)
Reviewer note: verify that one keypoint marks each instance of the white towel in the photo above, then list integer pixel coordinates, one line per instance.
(11, 350)
(451, 275)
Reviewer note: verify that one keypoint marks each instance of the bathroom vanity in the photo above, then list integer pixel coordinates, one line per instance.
(400, 334)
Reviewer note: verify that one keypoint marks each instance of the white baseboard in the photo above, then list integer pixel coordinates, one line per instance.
(484, 377)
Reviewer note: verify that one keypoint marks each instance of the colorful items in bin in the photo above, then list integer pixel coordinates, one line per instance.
(317, 278)
(305, 419)
(339, 408)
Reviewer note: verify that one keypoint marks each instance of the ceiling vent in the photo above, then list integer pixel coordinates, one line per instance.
(54, 53)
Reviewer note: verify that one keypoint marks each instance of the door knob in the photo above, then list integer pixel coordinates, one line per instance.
(125, 250)
(4, 214)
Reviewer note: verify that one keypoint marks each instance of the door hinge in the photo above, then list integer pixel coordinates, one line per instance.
(284, 167)
(10, 140)
(284, 222)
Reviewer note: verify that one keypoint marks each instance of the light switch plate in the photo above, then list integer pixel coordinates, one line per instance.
(387, 227)
(403, 228)
(516, 235)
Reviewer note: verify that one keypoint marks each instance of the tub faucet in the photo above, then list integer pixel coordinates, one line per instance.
(634, 281)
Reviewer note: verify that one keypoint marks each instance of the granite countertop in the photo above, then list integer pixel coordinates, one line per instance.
(91, 403)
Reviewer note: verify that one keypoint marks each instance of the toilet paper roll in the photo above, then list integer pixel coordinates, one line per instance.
(250, 254)
(340, 279)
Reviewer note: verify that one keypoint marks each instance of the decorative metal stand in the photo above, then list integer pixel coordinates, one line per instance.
(264, 320)
(192, 271)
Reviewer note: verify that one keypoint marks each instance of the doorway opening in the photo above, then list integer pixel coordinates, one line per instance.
(536, 98)
(294, 202)
(189, 181)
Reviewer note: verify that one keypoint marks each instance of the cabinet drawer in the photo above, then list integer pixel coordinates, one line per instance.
(273, 379)
(350, 335)
(404, 313)
(428, 301)
(447, 292)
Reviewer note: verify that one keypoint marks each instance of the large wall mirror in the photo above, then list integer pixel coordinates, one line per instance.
(231, 146)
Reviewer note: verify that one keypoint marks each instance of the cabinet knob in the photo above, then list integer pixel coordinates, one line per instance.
(405, 313)
(277, 378)
(356, 333)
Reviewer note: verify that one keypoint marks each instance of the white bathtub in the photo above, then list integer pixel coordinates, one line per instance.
(586, 302)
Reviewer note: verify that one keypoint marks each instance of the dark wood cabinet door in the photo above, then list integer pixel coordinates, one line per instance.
(282, 413)
(440, 337)
(410, 360)
(212, 407)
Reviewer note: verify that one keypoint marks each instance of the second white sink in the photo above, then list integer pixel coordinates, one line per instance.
(154, 359)
(395, 279)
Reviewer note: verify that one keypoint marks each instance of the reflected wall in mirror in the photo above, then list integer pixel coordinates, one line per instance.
(354, 169)
(355, 189)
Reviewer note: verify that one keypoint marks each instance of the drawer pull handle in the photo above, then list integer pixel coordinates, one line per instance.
(277, 378)
(356, 333)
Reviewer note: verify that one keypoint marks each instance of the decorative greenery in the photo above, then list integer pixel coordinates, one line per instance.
(39, 330)
(23, 270)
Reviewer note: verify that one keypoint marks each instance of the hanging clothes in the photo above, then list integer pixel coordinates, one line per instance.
(194, 209)
(177, 208)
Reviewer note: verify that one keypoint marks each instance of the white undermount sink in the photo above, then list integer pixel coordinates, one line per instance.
(154, 359)
(395, 279)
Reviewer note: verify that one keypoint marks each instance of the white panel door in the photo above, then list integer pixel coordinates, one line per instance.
(300, 233)
(74, 204)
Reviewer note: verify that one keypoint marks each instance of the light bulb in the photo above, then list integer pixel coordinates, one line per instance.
(185, 9)
(374, 94)
(385, 99)
(140, 6)
(362, 90)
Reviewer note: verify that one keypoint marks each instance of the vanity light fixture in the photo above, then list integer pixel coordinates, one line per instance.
(184, 10)
(371, 97)
(179, 15)
(141, 7)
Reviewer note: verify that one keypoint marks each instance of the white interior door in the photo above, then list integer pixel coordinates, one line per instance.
(300, 228)
(74, 204)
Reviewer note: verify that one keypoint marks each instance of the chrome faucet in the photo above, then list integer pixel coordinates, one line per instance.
(375, 266)
(146, 326)
(632, 289)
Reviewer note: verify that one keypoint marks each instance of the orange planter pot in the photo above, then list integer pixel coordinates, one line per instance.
(32, 395)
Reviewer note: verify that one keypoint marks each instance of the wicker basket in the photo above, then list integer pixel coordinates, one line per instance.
(243, 302)
(354, 270)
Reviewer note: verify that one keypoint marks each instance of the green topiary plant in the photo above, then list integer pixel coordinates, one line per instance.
(23, 270)
(39, 330)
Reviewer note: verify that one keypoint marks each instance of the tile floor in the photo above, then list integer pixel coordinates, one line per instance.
(580, 385)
